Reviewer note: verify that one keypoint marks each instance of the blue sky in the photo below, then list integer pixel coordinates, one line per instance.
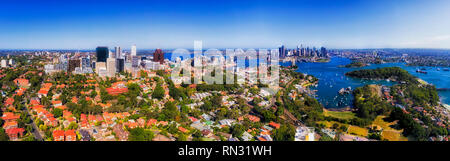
(85, 24)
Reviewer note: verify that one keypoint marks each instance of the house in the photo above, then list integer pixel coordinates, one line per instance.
(151, 122)
(34, 102)
(250, 117)
(9, 116)
(193, 119)
(10, 125)
(274, 125)
(182, 129)
(207, 132)
(304, 134)
(9, 101)
(42, 93)
(227, 122)
(22, 82)
(70, 135)
(58, 135)
(14, 133)
(56, 103)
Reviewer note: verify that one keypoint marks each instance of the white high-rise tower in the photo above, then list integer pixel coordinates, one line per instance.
(118, 52)
(133, 50)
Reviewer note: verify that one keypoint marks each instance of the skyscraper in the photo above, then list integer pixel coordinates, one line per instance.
(158, 56)
(323, 52)
(111, 67)
(73, 63)
(133, 50)
(85, 62)
(102, 54)
(282, 51)
(120, 64)
(135, 61)
(118, 52)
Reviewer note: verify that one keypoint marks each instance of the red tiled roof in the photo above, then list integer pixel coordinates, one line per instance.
(42, 91)
(10, 116)
(182, 129)
(275, 125)
(9, 101)
(34, 102)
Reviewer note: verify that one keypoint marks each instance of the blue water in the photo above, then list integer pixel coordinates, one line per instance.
(332, 78)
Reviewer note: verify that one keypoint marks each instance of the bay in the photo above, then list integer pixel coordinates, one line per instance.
(332, 78)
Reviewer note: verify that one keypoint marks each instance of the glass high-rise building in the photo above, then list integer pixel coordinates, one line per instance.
(102, 54)
(120, 64)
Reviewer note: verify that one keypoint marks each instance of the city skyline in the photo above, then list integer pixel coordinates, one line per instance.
(231, 24)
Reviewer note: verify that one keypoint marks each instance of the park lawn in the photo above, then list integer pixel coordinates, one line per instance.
(357, 130)
(383, 124)
(389, 133)
(206, 139)
(392, 135)
(347, 115)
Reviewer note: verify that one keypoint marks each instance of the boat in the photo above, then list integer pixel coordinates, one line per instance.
(438, 69)
(343, 91)
(420, 71)
(445, 69)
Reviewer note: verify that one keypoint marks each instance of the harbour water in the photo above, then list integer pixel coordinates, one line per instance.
(332, 78)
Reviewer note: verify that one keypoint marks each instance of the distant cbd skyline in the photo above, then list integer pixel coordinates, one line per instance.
(82, 24)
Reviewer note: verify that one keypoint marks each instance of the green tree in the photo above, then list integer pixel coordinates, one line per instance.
(57, 112)
(158, 93)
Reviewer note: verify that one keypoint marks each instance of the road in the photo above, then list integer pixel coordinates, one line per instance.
(36, 132)
(289, 115)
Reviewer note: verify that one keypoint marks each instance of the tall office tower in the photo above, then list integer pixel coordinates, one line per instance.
(4, 63)
(85, 62)
(73, 63)
(307, 52)
(99, 65)
(133, 50)
(323, 52)
(111, 67)
(158, 56)
(118, 52)
(102, 54)
(135, 60)
(120, 64)
(282, 51)
(12, 62)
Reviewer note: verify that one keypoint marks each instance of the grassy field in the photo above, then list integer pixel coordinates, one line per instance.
(358, 130)
(347, 115)
(393, 135)
(389, 133)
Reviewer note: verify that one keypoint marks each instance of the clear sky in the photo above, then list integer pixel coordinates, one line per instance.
(85, 24)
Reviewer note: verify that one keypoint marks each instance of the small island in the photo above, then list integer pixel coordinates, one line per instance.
(389, 73)
(356, 64)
